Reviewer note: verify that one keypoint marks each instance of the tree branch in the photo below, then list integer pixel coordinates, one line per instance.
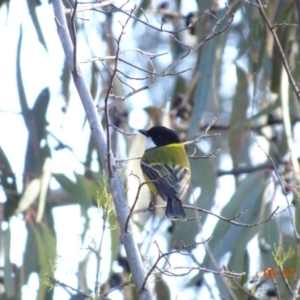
(277, 42)
(116, 188)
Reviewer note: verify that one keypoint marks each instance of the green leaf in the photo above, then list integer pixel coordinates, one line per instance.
(268, 237)
(250, 196)
(46, 245)
(7, 2)
(40, 254)
(9, 185)
(32, 4)
(11, 289)
(66, 80)
(205, 80)
(39, 112)
(238, 133)
(114, 236)
(267, 110)
(203, 175)
(161, 288)
(21, 91)
(3, 2)
(35, 155)
(83, 190)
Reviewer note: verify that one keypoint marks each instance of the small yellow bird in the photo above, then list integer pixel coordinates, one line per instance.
(165, 162)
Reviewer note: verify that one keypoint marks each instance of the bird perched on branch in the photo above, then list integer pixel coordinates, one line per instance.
(166, 165)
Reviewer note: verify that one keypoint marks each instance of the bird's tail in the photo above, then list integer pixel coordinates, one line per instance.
(174, 210)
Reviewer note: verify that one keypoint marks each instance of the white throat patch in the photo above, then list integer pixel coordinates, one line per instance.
(149, 144)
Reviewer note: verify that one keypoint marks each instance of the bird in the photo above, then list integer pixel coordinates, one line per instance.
(166, 168)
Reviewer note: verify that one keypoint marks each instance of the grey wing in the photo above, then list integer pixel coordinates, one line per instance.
(170, 181)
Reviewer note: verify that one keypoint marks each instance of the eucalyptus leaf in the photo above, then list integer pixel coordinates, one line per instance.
(9, 185)
(203, 175)
(249, 198)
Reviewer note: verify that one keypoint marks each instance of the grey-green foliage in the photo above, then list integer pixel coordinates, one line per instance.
(249, 115)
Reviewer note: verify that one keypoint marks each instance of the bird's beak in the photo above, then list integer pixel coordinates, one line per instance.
(144, 132)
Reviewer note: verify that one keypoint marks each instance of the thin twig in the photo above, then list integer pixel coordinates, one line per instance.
(167, 70)
(59, 283)
(128, 158)
(119, 130)
(278, 297)
(284, 24)
(283, 190)
(277, 42)
(198, 139)
(241, 288)
(144, 14)
(164, 255)
(210, 155)
(98, 253)
(169, 271)
(135, 200)
(230, 220)
(104, 295)
(120, 9)
(115, 184)
(297, 280)
(73, 26)
(251, 3)
(88, 7)
(106, 107)
(138, 194)
(228, 274)
(284, 278)
(121, 99)
(206, 135)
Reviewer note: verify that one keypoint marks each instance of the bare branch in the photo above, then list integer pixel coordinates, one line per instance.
(285, 279)
(119, 130)
(104, 295)
(284, 192)
(277, 288)
(59, 283)
(150, 207)
(115, 184)
(135, 200)
(144, 14)
(121, 99)
(88, 7)
(251, 3)
(119, 9)
(106, 107)
(210, 155)
(185, 250)
(167, 70)
(206, 135)
(228, 274)
(128, 158)
(284, 24)
(296, 234)
(164, 255)
(73, 27)
(277, 42)
(230, 220)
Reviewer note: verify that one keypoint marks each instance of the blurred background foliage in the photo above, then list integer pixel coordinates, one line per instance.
(237, 76)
